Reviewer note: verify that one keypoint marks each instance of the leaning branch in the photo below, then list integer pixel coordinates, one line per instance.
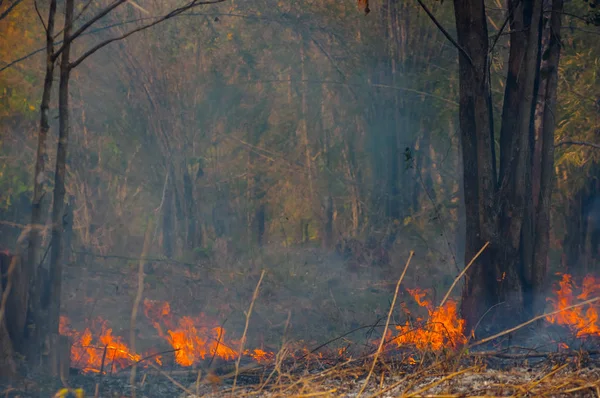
(86, 25)
(9, 9)
(582, 143)
(170, 15)
(445, 32)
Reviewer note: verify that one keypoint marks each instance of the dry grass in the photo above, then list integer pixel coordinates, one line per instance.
(445, 377)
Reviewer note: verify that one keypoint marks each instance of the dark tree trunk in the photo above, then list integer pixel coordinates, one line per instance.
(501, 209)
(514, 261)
(58, 205)
(33, 296)
(8, 369)
(479, 182)
(549, 83)
(191, 240)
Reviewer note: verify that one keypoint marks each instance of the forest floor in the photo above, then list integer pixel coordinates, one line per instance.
(489, 374)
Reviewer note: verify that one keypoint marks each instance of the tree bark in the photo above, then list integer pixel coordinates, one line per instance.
(514, 263)
(549, 75)
(33, 296)
(479, 182)
(56, 253)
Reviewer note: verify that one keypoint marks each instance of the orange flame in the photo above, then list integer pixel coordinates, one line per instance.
(192, 339)
(584, 322)
(444, 328)
(87, 352)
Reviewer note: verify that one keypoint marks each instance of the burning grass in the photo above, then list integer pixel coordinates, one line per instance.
(428, 353)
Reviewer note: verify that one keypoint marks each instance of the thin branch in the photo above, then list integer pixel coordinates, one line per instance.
(582, 143)
(83, 9)
(504, 24)
(9, 9)
(89, 23)
(444, 31)
(243, 340)
(40, 16)
(170, 15)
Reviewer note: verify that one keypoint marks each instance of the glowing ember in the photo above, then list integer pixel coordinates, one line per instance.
(581, 320)
(444, 328)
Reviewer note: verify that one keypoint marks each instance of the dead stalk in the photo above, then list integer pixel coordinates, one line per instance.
(459, 277)
(387, 324)
(237, 363)
(138, 299)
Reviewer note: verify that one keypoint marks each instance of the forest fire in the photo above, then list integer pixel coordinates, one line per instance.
(194, 339)
(582, 321)
(443, 328)
(93, 352)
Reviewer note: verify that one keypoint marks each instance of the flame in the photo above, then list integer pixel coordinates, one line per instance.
(88, 349)
(584, 322)
(443, 328)
(193, 339)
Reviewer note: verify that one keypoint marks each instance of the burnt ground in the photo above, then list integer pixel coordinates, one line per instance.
(514, 372)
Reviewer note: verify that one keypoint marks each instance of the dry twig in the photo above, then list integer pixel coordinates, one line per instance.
(387, 323)
(243, 340)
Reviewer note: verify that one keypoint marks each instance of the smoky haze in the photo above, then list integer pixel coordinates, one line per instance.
(301, 138)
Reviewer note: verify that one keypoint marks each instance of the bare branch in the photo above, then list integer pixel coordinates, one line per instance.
(444, 31)
(85, 7)
(9, 9)
(31, 54)
(582, 143)
(170, 15)
(89, 23)
(40, 16)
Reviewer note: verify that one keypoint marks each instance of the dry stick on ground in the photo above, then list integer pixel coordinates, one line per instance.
(237, 363)
(387, 323)
(531, 386)
(463, 272)
(438, 382)
(532, 320)
(138, 299)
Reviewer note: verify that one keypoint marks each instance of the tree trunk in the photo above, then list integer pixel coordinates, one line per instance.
(514, 264)
(8, 369)
(33, 296)
(549, 76)
(192, 238)
(56, 253)
(168, 227)
(479, 180)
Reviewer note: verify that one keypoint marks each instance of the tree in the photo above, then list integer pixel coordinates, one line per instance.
(42, 293)
(499, 193)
